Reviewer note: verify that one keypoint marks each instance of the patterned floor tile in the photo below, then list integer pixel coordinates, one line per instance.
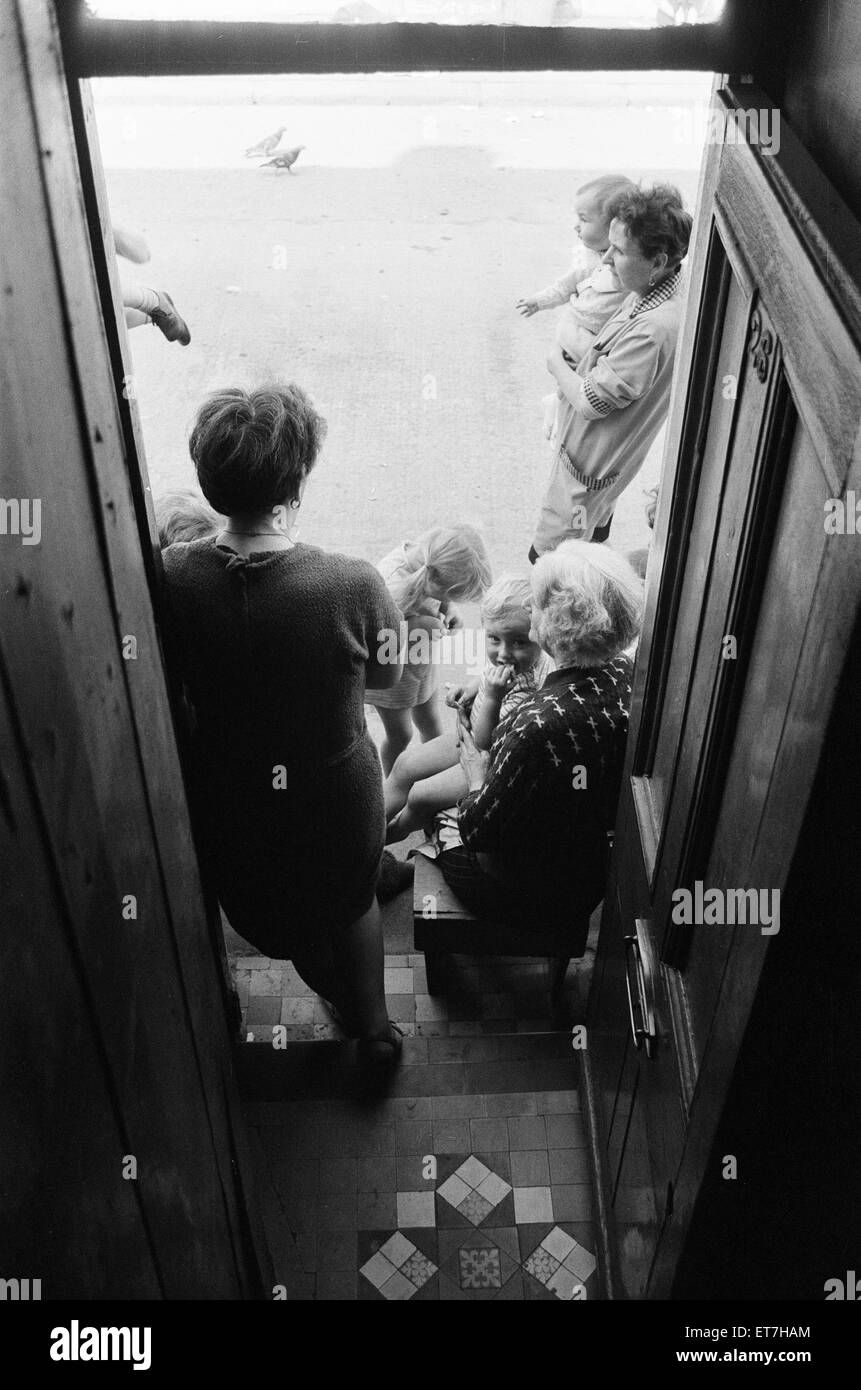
(418, 1268)
(541, 1265)
(474, 1191)
(475, 1208)
(478, 1264)
(561, 1264)
(397, 1269)
(480, 1269)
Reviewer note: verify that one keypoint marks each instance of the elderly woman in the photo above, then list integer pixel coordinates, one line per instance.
(534, 824)
(275, 642)
(617, 396)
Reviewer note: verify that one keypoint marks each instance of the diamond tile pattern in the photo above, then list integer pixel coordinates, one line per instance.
(474, 1190)
(561, 1264)
(398, 1269)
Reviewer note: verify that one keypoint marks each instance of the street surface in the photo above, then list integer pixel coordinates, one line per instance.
(382, 272)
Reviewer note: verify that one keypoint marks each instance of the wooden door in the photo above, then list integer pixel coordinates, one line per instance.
(750, 601)
(123, 1168)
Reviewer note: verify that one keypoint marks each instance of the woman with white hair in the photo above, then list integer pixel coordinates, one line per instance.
(534, 823)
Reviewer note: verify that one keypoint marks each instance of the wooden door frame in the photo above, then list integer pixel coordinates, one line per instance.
(828, 243)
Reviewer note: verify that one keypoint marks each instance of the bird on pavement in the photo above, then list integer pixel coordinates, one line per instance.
(285, 160)
(267, 146)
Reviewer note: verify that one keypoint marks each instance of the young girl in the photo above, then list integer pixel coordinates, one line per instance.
(428, 778)
(425, 578)
(590, 291)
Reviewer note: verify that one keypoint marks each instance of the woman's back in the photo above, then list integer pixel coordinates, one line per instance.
(274, 650)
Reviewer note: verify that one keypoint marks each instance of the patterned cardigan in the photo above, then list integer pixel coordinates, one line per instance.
(552, 787)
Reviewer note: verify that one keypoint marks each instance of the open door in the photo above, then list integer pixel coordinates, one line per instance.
(751, 596)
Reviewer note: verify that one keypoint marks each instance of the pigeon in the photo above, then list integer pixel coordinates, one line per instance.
(285, 160)
(267, 146)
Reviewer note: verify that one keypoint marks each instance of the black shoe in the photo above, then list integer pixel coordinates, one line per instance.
(395, 876)
(171, 323)
(383, 1050)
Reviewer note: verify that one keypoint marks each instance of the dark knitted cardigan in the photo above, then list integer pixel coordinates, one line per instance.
(552, 787)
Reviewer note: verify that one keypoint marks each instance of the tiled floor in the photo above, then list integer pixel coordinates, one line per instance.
(488, 998)
(370, 1203)
(466, 1179)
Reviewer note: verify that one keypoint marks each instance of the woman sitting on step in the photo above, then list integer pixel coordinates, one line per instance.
(535, 821)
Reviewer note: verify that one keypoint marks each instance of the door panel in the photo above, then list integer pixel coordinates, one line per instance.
(725, 733)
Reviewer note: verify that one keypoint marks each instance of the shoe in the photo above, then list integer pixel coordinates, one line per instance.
(165, 317)
(383, 1050)
(395, 876)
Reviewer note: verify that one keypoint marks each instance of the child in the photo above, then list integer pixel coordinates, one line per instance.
(184, 516)
(591, 290)
(429, 778)
(424, 578)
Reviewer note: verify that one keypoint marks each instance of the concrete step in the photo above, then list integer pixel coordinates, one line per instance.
(518, 1062)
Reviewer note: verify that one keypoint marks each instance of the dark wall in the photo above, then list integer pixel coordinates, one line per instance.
(822, 86)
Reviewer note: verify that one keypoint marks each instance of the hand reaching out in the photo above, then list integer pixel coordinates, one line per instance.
(527, 307)
(461, 697)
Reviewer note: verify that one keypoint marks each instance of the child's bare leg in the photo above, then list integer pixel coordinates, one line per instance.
(428, 718)
(418, 761)
(398, 730)
(426, 798)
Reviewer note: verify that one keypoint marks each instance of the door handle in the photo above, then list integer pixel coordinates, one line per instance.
(641, 999)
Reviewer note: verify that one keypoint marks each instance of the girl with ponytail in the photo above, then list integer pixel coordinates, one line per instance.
(426, 578)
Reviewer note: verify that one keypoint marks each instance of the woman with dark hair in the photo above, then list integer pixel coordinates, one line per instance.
(618, 394)
(275, 643)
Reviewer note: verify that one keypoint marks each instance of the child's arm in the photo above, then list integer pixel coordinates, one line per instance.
(551, 297)
(484, 722)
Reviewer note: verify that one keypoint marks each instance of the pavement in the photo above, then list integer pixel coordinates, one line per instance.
(381, 274)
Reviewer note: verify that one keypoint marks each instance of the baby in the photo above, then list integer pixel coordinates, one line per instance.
(427, 778)
(590, 291)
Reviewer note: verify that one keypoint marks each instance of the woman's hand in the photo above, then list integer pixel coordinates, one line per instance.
(556, 364)
(461, 697)
(473, 761)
